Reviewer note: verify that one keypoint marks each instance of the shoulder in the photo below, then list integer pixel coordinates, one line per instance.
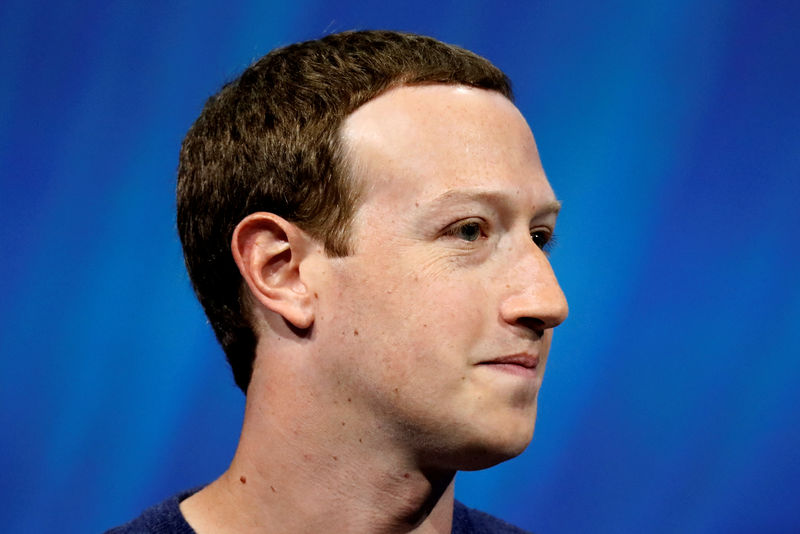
(163, 518)
(470, 521)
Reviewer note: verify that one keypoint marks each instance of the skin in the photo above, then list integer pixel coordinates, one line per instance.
(380, 374)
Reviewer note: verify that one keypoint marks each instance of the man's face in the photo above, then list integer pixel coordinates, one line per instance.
(436, 329)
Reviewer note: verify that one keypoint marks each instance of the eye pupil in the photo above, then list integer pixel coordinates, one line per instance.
(469, 232)
(540, 238)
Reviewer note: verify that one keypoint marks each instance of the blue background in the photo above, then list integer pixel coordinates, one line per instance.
(671, 130)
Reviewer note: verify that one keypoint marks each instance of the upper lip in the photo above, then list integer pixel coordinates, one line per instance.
(523, 359)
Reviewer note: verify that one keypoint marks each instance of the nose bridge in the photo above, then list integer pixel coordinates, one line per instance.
(536, 294)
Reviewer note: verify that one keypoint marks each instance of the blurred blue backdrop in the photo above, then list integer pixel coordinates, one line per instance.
(671, 130)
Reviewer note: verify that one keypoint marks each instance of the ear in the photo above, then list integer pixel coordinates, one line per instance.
(268, 251)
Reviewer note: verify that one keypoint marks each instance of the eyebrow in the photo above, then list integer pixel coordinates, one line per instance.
(454, 196)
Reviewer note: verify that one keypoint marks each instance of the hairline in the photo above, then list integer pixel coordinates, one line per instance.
(348, 163)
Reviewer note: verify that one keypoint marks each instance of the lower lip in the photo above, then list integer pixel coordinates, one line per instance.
(513, 369)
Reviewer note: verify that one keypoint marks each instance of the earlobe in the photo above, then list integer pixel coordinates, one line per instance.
(268, 251)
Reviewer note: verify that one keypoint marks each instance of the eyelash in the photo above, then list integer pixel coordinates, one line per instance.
(546, 242)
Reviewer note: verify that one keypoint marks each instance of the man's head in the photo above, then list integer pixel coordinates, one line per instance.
(271, 141)
(433, 333)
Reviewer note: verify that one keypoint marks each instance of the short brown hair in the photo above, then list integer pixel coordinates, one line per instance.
(270, 141)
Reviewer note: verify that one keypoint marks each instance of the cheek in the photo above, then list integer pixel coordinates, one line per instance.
(404, 313)
(434, 324)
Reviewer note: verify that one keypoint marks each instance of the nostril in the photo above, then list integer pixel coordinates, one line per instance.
(533, 324)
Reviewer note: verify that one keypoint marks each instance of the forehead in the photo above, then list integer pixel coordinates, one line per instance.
(415, 143)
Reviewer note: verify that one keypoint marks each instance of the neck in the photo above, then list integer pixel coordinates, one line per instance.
(297, 472)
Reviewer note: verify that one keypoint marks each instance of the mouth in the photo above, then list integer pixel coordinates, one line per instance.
(523, 364)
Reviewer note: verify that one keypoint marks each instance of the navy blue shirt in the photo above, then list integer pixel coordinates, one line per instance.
(166, 518)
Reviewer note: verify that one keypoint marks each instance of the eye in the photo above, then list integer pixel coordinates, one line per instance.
(544, 239)
(466, 231)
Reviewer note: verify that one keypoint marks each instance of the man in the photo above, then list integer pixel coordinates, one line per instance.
(365, 220)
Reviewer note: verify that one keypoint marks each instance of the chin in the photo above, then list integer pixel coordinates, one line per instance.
(500, 442)
(490, 456)
(488, 450)
(480, 441)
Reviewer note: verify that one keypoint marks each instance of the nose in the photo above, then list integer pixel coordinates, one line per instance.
(534, 299)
